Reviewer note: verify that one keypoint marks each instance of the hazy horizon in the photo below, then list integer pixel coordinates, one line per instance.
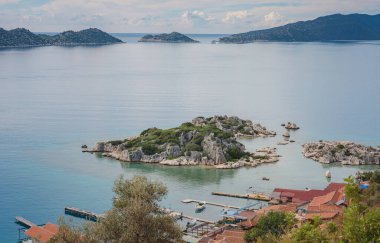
(147, 16)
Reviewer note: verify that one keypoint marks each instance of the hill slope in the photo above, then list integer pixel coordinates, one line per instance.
(23, 37)
(328, 28)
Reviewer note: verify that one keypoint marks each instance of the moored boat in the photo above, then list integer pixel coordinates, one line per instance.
(200, 206)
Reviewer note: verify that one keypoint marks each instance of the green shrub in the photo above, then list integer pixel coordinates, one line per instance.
(235, 153)
(116, 142)
(340, 146)
(273, 223)
(150, 149)
(193, 147)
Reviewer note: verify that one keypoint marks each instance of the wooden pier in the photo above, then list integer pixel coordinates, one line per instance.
(24, 222)
(255, 196)
(76, 212)
(209, 203)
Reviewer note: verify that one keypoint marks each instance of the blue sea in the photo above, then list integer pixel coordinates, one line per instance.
(55, 99)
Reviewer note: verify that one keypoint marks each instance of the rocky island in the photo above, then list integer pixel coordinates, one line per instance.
(336, 27)
(203, 141)
(347, 153)
(173, 37)
(22, 38)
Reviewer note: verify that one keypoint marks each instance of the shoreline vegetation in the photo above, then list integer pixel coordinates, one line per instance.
(204, 141)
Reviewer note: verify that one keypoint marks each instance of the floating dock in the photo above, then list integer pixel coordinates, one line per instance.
(24, 222)
(255, 196)
(76, 212)
(209, 203)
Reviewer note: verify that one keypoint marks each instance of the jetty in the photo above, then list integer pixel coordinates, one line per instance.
(24, 222)
(209, 203)
(255, 196)
(76, 212)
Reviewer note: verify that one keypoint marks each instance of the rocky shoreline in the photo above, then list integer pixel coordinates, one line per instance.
(203, 141)
(344, 152)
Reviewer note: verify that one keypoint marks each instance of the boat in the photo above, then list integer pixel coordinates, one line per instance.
(200, 206)
(265, 178)
(328, 174)
(191, 223)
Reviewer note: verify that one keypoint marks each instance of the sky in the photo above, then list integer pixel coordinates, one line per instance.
(156, 16)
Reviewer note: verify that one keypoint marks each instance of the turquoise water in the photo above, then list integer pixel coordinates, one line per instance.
(54, 99)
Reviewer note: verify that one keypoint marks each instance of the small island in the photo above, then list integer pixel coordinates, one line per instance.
(21, 37)
(203, 141)
(346, 153)
(173, 37)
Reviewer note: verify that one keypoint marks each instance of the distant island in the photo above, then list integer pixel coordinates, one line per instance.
(173, 37)
(335, 27)
(203, 141)
(344, 152)
(22, 38)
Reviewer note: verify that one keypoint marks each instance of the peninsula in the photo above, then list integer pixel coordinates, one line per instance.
(203, 141)
(347, 153)
(22, 38)
(173, 37)
(335, 27)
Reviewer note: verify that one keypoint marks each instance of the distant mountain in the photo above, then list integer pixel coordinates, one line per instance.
(173, 37)
(335, 27)
(23, 37)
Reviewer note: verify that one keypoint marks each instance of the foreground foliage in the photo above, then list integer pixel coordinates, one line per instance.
(135, 217)
(360, 222)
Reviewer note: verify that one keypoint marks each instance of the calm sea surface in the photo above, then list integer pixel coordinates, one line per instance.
(54, 99)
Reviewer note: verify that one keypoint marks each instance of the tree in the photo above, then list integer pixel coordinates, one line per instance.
(352, 190)
(361, 226)
(271, 225)
(310, 233)
(135, 217)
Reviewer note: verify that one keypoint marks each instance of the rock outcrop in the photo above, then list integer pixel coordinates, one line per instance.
(204, 141)
(291, 126)
(347, 153)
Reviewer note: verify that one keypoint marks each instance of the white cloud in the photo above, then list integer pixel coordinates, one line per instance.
(211, 16)
(274, 19)
(236, 16)
(195, 18)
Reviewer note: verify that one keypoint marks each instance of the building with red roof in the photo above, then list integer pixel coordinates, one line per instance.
(42, 234)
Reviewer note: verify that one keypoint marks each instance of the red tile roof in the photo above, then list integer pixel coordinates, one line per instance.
(229, 236)
(300, 195)
(307, 195)
(42, 234)
(317, 201)
(334, 186)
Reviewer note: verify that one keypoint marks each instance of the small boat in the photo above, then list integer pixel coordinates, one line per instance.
(265, 178)
(200, 206)
(328, 174)
(191, 223)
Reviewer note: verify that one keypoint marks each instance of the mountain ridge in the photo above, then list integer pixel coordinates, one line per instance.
(21, 37)
(335, 27)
